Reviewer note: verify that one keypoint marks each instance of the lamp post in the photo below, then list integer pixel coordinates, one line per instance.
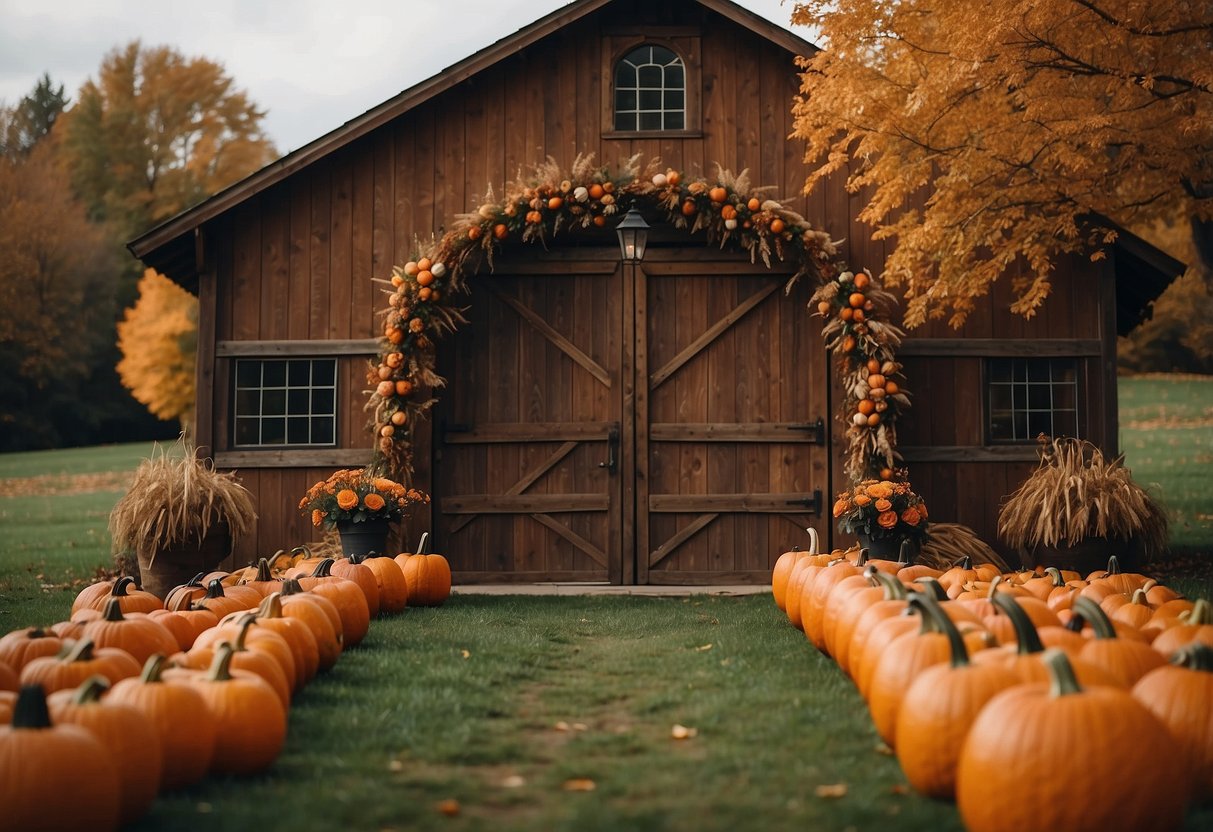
(633, 233)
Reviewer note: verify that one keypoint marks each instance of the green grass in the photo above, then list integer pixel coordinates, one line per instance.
(407, 719)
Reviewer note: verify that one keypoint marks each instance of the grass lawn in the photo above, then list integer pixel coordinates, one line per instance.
(503, 704)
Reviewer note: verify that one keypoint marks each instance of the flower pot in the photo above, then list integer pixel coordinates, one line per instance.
(1088, 555)
(162, 569)
(363, 539)
(887, 548)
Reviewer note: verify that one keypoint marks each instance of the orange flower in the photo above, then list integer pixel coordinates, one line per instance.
(922, 510)
(880, 489)
(911, 516)
(887, 519)
(383, 484)
(373, 501)
(347, 499)
(841, 507)
(883, 505)
(317, 517)
(862, 500)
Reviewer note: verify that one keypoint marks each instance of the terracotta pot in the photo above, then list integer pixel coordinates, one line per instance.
(1088, 555)
(162, 569)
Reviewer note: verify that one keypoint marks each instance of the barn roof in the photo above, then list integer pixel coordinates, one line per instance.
(169, 247)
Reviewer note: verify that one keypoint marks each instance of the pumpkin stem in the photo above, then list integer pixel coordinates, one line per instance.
(1062, 681)
(323, 569)
(291, 586)
(214, 589)
(1113, 565)
(122, 586)
(905, 554)
(113, 610)
(1085, 608)
(1055, 573)
(1025, 632)
(1194, 656)
(90, 690)
(964, 562)
(221, 664)
(356, 558)
(894, 590)
(30, 710)
(183, 603)
(993, 588)
(960, 653)
(933, 587)
(862, 558)
(263, 570)
(814, 541)
(1140, 597)
(1201, 613)
(301, 550)
(243, 623)
(152, 668)
(271, 607)
(918, 603)
(423, 543)
(81, 651)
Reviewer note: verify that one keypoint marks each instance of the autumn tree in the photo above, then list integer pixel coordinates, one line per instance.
(156, 132)
(983, 133)
(158, 338)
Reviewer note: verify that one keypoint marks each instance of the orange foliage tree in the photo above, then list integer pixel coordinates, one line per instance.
(158, 338)
(984, 133)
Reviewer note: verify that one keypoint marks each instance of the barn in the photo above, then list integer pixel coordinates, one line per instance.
(669, 422)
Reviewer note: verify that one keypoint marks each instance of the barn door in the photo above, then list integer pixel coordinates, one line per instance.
(527, 433)
(731, 421)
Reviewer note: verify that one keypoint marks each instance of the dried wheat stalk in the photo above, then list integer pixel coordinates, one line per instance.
(949, 542)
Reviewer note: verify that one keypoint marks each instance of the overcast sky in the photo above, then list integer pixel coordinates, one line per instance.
(312, 64)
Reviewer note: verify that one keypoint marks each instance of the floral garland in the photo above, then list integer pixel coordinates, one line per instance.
(873, 395)
(727, 209)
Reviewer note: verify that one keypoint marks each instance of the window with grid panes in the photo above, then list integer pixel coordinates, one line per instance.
(1030, 396)
(650, 90)
(285, 401)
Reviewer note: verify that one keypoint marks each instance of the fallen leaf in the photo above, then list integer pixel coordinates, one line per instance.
(899, 788)
(703, 648)
(580, 784)
(833, 791)
(580, 726)
(514, 781)
(561, 726)
(884, 749)
(681, 732)
(395, 765)
(449, 807)
(466, 654)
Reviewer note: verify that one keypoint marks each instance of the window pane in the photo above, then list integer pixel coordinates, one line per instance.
(1065, 370)
(675, 77)
(324, 372)
(248, 373)
(625, 121)
(650, 76)
(673, 99)
(1000, 371)
(675, 121)
(1039, 423)
(1064, 397)
(297, 402)
(1037, 370)
(273, 403)
(650, 121)
(1038, 397)
(300, 374)
(1065, 422)
(1030, 396)
(322, 401)
(273, 374)
(625, 74)
(322, 430)
(297, 430)
(273, 431)
(661, 55)
(247, 431)
(248, 402)
(650, 99)
(625, 100)
(1020, 431)
(1000, 397)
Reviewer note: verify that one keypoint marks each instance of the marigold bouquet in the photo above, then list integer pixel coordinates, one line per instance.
(359, 496)
(882, 509)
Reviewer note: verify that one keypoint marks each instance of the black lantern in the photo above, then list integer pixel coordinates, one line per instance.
(633, 232)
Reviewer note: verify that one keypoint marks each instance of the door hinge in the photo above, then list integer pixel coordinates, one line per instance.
(813, 504)
(817, 429)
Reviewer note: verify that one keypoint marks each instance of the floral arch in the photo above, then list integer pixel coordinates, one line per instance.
(733, 214)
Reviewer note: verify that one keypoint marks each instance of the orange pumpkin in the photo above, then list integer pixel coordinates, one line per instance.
(319, 614)
(72, 666)
(136, 634)
(346, 596)
(129, 598)
(428, 576)
(1180, 694)
(393, 587)
(20, 646)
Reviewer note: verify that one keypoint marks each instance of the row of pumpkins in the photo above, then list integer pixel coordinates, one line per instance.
(135, 694)
(1037, 700)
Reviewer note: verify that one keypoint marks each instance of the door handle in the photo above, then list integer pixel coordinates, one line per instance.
(611, 463)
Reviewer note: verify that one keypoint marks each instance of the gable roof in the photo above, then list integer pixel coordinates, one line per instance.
(169, 247)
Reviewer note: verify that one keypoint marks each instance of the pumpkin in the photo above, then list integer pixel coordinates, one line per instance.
(74, 664)
(319, 614)
(245, 632)
(85, 598)
(9, 680)
(784, 565)
(346, 596)
(393, 586)
(428, 576)
(180, 719)
(812, 604)
(801, 571)
(191, 590)
(1180, 694)
(938, 708)
(8, 701)
(20, 646)
(852, 634)
(226, 600)
(263, 580)
(129, 599)
(250, 719)
(1123, 770)
(127, 734)
(846, 603)
(72, 628)
(35, 757)
(296, 633)
(257, 662)
(1125, 660)
(1196, 626)
(136, 634)
(185, 621)
(718, 194)
(904, 658)
(358, 572)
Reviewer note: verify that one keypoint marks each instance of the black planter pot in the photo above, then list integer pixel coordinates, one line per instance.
(363, 539)
(887, 548)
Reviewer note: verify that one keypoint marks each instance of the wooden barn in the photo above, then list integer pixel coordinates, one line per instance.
(669, 423)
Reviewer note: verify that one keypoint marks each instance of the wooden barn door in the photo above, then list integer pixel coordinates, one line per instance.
(647, 425)
(527, 433)
(732, 421)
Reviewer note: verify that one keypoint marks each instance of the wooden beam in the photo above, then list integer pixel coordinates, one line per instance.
(969, 453)
(1000, 347)
(715, 331)
(790, 432)
(681, 536)
(524, 504)
(571, 536)
(526, 482)
(508, 432)
(295, 458)
(287, 349)
(561, 343)
(679, 577)
(738, 503)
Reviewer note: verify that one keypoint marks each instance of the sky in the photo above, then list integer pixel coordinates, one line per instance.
(311, 64)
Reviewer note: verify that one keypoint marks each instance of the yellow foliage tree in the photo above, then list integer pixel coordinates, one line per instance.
(158, 338)
(984, 133)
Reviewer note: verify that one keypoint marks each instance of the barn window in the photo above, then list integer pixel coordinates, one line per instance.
(1031, 396)
(285, 402)
(650, 90)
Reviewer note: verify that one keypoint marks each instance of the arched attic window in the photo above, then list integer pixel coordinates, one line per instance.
(650, 90)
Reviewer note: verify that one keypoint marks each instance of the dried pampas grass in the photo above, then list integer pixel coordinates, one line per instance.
(177, 497)
(1077, 494)
(949, 542)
